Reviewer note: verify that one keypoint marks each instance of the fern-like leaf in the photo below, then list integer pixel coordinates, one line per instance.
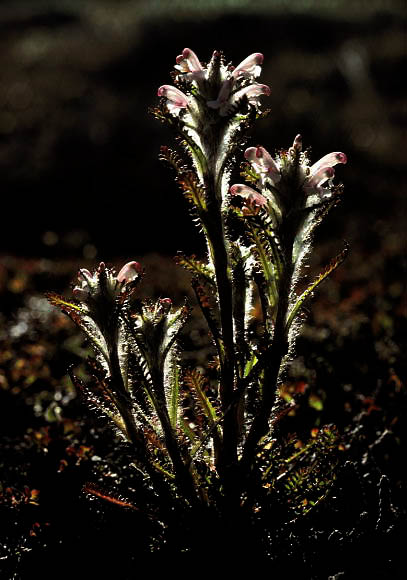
(196, 382)
(195, 266)
(172, 385)
(82, 319)
(335, 262)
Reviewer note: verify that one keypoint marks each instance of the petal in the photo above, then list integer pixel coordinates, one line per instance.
(250, 66)
(84, 275)
(190, 67)
(252, 92)
(248, 193)
(174, 95)
(129, 272)
(319, 177)
(182, 64)
(297, 144)
(261, 160)
(192, 60)
(167, 301)
(328, 161)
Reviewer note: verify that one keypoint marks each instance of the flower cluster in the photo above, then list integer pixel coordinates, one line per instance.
(89, 284)
(234, 84)
(272, 174)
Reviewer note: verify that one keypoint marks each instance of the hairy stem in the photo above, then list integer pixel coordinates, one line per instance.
(217, 242)
(272, 366)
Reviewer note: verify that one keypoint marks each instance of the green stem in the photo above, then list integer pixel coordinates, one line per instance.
(217, 242)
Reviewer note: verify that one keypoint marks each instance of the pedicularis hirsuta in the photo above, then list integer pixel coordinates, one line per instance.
(205, 438)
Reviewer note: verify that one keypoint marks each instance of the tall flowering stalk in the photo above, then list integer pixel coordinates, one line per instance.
(219, 106)
(212, 108)
(199, 442)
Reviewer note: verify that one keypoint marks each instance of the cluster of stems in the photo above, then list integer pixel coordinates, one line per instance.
(196, 437)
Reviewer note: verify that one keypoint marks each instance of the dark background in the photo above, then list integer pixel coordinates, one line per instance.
(78, 150)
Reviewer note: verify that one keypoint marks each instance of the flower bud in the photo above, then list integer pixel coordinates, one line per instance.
(297, 144)
(188, 64)
(129, 272)
(263, 163)
(250, 66)
(166, 301)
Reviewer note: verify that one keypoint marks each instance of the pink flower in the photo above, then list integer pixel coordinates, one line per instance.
(252, 92)
(188, 64)
(263, 163)
(248, 193)
(249, 67)
(166, 301)
(313, 177)
(129, 272)
(297, 143)
(89, 285)
(227, 98)
(176, 100)
(328, 161)
(323, 170)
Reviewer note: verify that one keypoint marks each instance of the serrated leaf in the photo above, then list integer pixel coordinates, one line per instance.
(195, 266)
(335, 262)
(172, 385)
(186, 178)
(249, 175)
(196, 382)
(98, 397)
(83, 320)
(172, 158)
(192, 190)
(174, 323)
(63, 304)
(265, 255)
(188, 431)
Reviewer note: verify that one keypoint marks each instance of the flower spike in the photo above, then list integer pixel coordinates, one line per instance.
(311, 178)
(229, 84)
